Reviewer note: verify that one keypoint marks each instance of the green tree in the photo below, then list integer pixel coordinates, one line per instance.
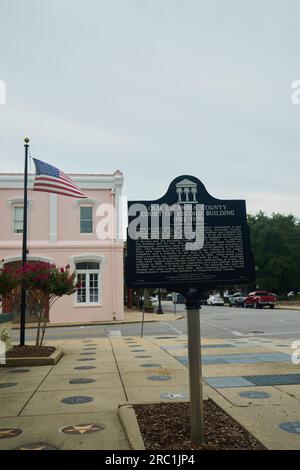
(276, 247)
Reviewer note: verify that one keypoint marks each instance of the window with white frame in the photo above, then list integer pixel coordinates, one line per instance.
(88, 275)
(86, 219)
(18, 219)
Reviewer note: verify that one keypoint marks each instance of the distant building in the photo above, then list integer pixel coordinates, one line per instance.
(62, 230)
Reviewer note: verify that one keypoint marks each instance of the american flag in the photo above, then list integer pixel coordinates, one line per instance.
(50, 179)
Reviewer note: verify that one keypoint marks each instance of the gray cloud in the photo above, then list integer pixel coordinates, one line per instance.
(157, 89)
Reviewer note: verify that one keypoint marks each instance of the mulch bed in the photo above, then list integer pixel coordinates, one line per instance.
(30, 351)
(167, 426)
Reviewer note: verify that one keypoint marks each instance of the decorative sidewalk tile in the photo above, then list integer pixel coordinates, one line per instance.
(37, 446)
(82, 428)
(174, 396)
(227, 382)
(84, 367)
(8, 433)
(291, 426)
(253, 380)
(255, 395)
(8, 384)
(77, 400)
(159, 377)
(182, 359)
(142, 357)
(81, 380)
(239, 358)
(274, 357)
(276, 379)
(208, 360)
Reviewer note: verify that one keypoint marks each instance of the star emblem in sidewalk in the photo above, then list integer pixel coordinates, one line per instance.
(33, 448)
(7, 433)
(82, 428)
(37, 446)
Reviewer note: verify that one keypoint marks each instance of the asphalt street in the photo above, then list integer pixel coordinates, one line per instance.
(216, 322)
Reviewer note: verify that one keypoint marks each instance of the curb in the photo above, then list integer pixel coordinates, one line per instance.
(131, 428)
(116, 322)
(34, 361)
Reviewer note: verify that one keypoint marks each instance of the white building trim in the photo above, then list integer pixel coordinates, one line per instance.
(12, 259)
(19, 201)
(88, 201)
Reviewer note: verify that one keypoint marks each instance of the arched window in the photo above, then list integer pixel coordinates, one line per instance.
(88, 274)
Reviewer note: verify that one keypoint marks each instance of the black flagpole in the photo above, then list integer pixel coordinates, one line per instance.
(24, 246)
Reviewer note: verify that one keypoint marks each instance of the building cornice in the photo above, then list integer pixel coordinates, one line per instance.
(16, 180)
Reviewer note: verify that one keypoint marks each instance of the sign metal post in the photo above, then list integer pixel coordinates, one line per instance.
(195, 368)
(144, 304)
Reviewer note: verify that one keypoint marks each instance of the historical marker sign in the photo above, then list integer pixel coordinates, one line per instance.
(188, 241)
(188, 238)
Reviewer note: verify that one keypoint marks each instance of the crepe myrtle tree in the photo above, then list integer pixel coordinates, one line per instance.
(45, 284)
(8, 283)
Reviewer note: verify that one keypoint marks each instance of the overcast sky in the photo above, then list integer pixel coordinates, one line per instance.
(157, 88)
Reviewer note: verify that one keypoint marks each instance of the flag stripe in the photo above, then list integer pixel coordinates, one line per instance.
(63, 175)
(56, 181)
(58, 192)
(57, 186)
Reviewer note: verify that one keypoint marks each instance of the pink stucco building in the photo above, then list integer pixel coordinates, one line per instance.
(64, 230)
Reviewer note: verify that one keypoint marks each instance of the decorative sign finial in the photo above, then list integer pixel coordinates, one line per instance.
(26, 140)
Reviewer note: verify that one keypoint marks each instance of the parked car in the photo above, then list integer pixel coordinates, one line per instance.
(226, 295)
(260, 299)
(237, 299)
(215, 300)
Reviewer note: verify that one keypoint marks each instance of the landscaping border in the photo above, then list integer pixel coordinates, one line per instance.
(131, 427)
(34, 361)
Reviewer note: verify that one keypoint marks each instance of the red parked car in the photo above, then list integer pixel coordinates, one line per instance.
(260, 299)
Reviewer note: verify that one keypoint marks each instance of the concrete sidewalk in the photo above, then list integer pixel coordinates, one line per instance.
(73, 405)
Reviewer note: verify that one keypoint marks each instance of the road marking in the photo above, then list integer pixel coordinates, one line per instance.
(114, 333)
(173, 328)
(235, 333)
(280, 333)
